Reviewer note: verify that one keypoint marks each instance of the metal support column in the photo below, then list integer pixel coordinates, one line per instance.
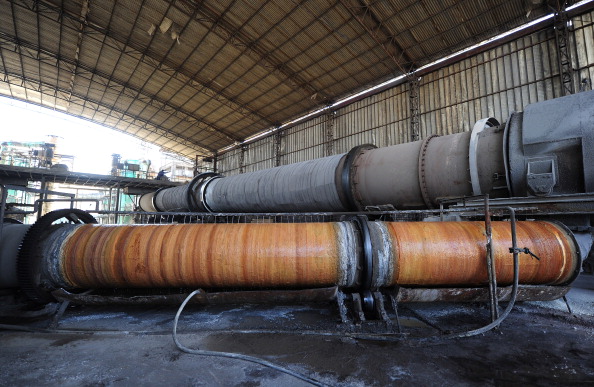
(278, 147)
(242, 159)
(3, 199)
(491, 268)
(329, 148)
(42, 197)
(413, 95)
(196, 161)
(562, 39)
(109, 204)
(117, 204)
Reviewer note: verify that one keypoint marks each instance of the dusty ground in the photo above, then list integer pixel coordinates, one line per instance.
(538, 344)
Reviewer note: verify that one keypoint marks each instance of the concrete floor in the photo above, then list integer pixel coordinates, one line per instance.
(538, 344)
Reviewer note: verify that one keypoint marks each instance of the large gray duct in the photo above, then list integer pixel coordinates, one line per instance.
(418, 174)
(547, 149)
(411, 175)
(307, 186)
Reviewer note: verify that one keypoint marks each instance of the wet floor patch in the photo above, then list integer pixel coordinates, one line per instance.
(538, 344)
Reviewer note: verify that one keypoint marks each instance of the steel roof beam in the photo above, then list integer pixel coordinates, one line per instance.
(163, 66)
(193, 9)
(345, 67)
(84, 12)
(194, 119)
(127, 40)
(240, 40)
(380, 33)
(37, 53)
(439, 33)
(42, 87)
(154, 70)
(246, 48)
(4, 75)
(14, 24)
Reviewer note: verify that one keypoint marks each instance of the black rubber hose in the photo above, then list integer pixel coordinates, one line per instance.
(514, 293)
(231, 355)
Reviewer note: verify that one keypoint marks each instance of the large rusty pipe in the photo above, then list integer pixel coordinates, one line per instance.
(453, 253)
(205, 255)
(300, 255)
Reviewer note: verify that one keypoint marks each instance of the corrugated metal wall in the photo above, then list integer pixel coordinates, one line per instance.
(257, 155)
(228, 163)
(490, 84)
(584, 50)
(305, 141)
(382, 119)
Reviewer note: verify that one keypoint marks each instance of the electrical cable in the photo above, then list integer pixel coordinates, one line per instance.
(20, 328)
(232, 355)
(514, 292)
(508, 309)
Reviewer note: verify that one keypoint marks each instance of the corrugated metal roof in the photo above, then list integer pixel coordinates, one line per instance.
(196, 76)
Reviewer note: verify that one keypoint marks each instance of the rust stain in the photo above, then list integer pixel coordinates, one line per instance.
(306, 255)
(202, 255)
(454, 253)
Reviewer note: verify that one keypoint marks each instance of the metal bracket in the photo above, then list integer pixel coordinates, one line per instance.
(346, 176)
(358, 307)
(380, 310)
(542, 175)
(525, 250)
(478, 127)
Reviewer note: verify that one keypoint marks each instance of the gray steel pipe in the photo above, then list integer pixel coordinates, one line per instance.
(184, 198)
(535, 153)
(418, 174)
(308, 186)
(173, 199)
(410, 175)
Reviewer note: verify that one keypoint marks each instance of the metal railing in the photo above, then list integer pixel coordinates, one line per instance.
(37, 207)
